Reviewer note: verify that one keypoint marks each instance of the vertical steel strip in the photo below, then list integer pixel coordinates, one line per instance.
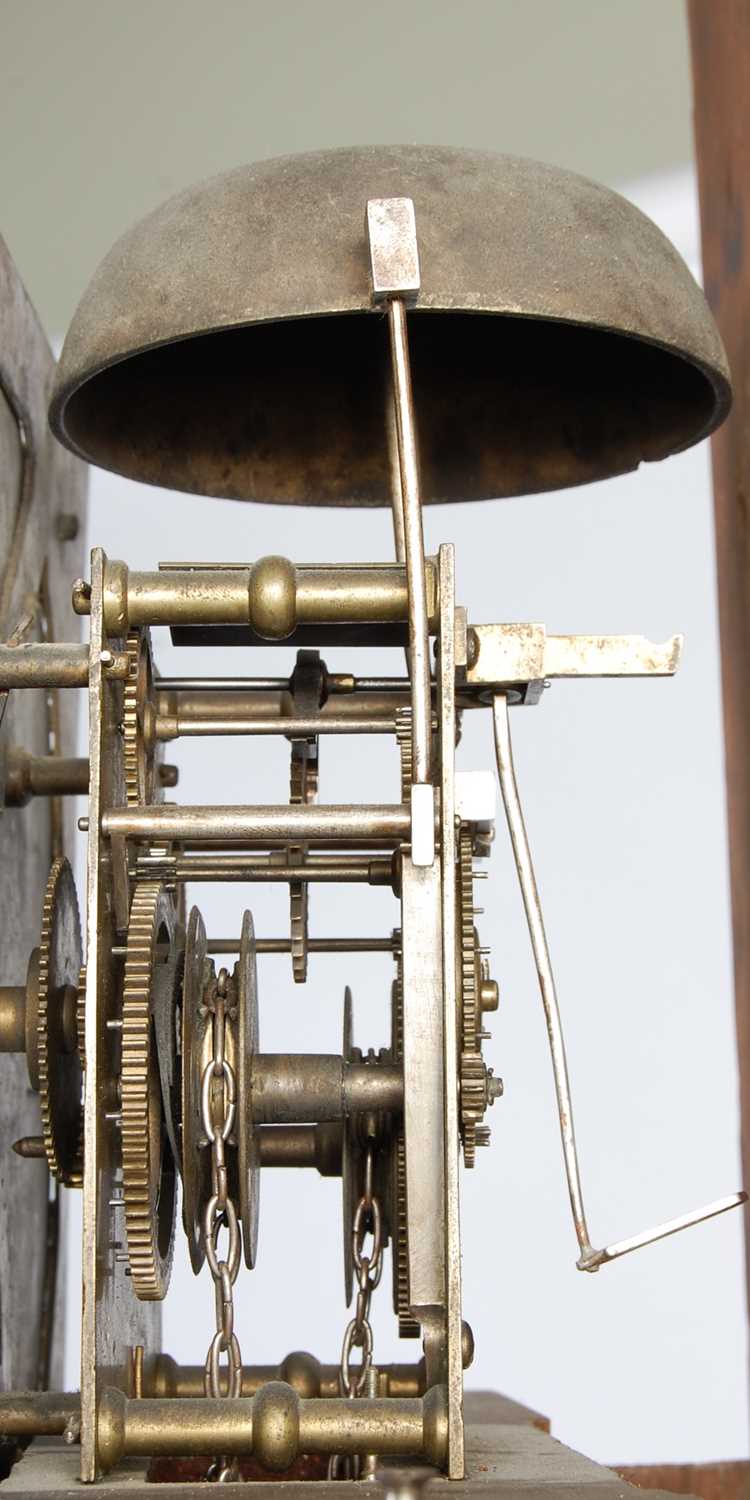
(447, 731)
(413, 540)
(113, 1322)
(422, 966)
(91, 1041)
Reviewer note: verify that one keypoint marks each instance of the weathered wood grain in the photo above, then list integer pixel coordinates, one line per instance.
(720, 44)
(38, 480)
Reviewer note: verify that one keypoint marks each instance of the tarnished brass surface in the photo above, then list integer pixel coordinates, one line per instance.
(28, 776)
(275, 1425)
(573, 341)
(13, 1018)
(149, 1174)
(340, 824)
(291, 1087)
(272, 597)
(302, 1146)
(51, 1053)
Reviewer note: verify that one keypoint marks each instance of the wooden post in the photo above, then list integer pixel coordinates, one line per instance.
(720, 43)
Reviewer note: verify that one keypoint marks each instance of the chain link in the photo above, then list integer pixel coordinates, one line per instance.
(218, 1110)
(353, 1378)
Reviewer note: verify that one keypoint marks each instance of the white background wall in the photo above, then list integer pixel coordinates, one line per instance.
(625, 808)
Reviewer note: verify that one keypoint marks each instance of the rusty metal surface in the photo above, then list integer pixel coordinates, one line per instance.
(38, 483)
(197, 359)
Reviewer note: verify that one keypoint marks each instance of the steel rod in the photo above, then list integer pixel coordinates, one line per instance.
(535, 921)
(227, 869)
(268, 946)
(589, 1259)
(317, 849)
(314, 945)
(292, 727)
(419, 645)
(335, 683)
(397, 499)
(261, 825)
(204, 703)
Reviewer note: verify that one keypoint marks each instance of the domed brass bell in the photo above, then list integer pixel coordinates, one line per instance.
(228, 344)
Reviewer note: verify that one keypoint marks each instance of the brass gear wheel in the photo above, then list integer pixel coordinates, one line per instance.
(404, 742)
(470, 965)
(139, 744)
(475, 1089)
(198, 975)
(81, 1015)
(54, 1066)
(303, 789)
(148, 1170)
(307, 691)
(408, 1327)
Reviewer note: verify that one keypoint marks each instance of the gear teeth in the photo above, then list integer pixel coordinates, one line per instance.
(469, 946)
(46, 1059)
(303, 789)
(472, 1067)
(473, 1077)
(404, 740)
(408, 1327)
(142, 1168)
(81, 1015)
(138, 763)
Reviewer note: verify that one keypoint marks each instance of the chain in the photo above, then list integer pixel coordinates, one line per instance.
(218, 1109)
(354, 1379)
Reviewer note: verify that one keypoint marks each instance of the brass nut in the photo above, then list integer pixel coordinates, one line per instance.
(273, 598)
(276, 1426)
(489, 994)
